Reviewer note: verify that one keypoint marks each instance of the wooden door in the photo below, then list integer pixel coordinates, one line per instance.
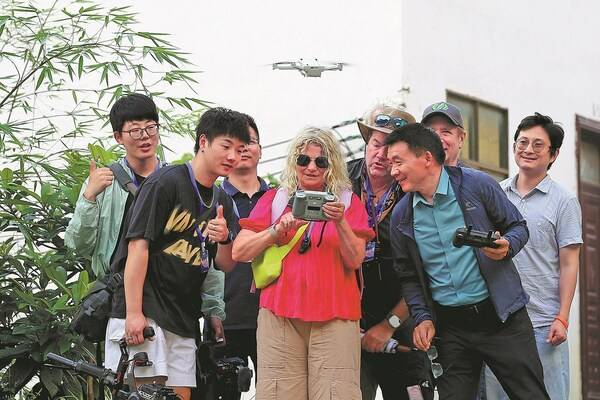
(589, 281)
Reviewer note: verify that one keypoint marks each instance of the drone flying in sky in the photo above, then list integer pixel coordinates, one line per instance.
(312, 69)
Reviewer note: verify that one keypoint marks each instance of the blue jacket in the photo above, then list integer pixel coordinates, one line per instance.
(484, 206)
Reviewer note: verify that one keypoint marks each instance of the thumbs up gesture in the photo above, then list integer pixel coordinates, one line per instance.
(217, 227)
(100, 179)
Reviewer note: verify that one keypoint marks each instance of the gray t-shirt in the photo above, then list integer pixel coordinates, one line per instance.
(553, 217)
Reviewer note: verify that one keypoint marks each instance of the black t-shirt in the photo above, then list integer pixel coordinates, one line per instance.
(166, 212)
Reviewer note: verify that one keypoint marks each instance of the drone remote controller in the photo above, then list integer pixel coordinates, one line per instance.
(468, 236)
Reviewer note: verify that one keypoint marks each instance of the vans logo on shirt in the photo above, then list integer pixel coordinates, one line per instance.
(180, 221)
(185, 251)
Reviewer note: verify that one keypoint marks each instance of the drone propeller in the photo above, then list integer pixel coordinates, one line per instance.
(344, 64)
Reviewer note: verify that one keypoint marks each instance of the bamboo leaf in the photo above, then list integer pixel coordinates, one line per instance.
(46, 192)
(104, 76)
(80, 66)
(71, 72)
(40, 79)
(6, 175)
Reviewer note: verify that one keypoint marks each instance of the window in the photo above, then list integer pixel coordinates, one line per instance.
(486, 145)
(589, 160)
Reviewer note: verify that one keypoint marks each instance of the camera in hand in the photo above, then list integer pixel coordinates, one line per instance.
(470, 237)
(308, 205)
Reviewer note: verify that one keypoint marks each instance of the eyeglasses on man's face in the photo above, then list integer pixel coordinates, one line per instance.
(537, 145)
(138, 133)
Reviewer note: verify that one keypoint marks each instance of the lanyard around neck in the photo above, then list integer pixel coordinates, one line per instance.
(375, 212)
(201, 204)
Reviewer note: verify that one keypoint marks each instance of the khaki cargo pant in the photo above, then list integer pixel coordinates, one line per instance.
(300, 360)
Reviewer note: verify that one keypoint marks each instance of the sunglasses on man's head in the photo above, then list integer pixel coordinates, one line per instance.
(303, 160)
(383, 120)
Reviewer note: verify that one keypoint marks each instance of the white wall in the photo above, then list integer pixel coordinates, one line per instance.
(235, 42)
(524, 56)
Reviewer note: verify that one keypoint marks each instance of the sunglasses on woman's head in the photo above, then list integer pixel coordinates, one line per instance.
(382, 120)
(303, 160)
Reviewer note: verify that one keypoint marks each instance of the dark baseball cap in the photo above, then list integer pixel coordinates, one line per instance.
(446, 109)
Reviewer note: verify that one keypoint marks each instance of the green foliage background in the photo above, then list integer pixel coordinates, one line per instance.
(61, 67)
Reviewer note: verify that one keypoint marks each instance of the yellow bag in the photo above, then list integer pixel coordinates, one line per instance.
(267, 266)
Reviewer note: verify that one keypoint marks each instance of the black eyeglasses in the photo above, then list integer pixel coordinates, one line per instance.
(138, 133)
(383, 120)
(303, 160)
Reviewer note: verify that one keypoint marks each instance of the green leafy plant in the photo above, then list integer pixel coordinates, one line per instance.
(61, 68)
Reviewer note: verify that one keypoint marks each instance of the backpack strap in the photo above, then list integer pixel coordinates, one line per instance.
(114, 281)
(123, 178)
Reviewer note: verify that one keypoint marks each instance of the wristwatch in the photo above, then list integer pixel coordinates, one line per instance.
(394, 320)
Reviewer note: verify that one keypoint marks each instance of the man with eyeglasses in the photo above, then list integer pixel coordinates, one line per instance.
(103, 204)
(95, 228)
(549, 262)
(470, 299)
(384, 312)
(446, 120)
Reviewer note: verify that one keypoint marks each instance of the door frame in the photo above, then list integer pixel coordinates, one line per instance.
(593, 126)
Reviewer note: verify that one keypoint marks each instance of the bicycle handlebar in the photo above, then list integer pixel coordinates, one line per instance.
(106, 375)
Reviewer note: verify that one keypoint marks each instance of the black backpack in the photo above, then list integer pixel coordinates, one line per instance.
(91, 319)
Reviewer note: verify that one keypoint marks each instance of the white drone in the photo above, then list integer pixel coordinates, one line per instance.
(307, 69)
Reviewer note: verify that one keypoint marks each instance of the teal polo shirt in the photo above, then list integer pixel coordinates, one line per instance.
(454, 276)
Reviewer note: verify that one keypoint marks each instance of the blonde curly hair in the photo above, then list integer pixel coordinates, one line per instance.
(336, 176)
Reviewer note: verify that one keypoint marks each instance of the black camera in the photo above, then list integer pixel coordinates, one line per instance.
(468, 236)
(222, 378)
